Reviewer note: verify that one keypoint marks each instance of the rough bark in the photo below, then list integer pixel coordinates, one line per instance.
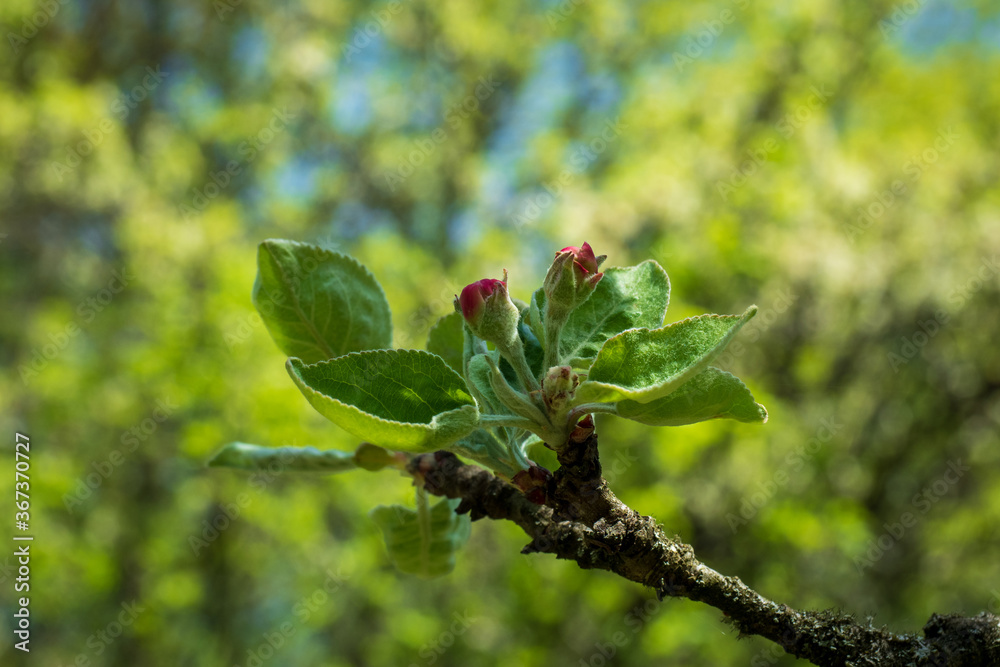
(583, 521)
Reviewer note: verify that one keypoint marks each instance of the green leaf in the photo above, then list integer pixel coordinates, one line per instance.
(469, 346)
(533, 318)
(423, 542)
(712, 394)
(280, 459)
(319, 304)
(401, 399)
(645, 364)
(300, 459)
(479, 377)
(538, 452)
(447, 341)
(626, 298)
(533, 352)
(483, 447)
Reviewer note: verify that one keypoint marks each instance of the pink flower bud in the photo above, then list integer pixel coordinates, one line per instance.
(489, 312)
(474, 296)
(584, 259)
(568, 285)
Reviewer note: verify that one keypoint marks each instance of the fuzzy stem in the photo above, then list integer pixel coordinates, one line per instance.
(590, 408)
(514, 354)
(553, 331)
(492, 421)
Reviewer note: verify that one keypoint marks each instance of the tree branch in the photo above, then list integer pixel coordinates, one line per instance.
(583, 521)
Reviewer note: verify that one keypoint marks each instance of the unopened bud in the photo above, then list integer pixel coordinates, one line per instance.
(488, 310)
(559, 386)
(572, 277)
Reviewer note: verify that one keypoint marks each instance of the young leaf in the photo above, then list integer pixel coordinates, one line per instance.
(645, 364)
(446, 340)
(626, 298)
(712, 394)
(423, 542)
(483, 447)
(533, 352)
(281, 459)
(401, 399)
(319, 304)
(480, 373)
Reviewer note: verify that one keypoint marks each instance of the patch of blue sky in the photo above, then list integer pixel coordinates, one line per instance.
(400, 95)
(351, 103)
(682, 56)
(374, 84)
(254, 203)
(251, 50)
(922, 28)
(353, 219)
(932, 26)
(989, 33)
(187, 95)
(297, 179)
(602, 93)
(549, 93)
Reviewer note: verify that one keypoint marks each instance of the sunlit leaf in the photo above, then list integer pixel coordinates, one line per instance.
(712, 394)
(479, 377)
(645, 364)
(447, 341)
(626, 298)
(401, 399)
(319, 304)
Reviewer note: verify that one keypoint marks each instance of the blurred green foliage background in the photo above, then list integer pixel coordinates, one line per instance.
(835, 163)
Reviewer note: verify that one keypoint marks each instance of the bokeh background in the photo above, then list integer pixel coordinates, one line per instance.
(835, 163)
